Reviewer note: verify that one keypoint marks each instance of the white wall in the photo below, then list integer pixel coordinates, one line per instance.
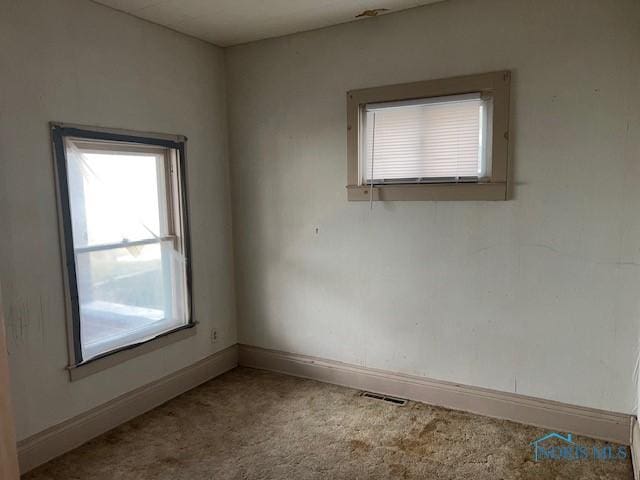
(75, 61)
(539, 295)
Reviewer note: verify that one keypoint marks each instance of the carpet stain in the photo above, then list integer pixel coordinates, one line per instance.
(250, 424)
(398, 471)
(358, 446)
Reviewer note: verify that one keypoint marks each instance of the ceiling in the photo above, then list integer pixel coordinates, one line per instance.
(231, 22)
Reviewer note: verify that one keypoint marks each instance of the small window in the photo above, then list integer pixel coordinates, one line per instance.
(435, 140)
(430, 140)
(124, 220)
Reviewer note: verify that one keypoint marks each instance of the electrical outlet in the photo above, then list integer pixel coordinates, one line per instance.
(214, 335)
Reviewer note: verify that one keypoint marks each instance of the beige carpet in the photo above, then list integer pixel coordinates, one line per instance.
(250, 424)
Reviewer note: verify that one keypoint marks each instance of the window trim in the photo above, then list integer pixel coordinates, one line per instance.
(79, 368)
(497, 84)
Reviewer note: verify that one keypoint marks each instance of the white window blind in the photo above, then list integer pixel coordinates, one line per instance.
(442, 139)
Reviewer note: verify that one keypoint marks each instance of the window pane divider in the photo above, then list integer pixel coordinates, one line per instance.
(112, 246)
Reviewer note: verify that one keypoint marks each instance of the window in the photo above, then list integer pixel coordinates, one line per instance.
(435, 140)
(441, 139)
(124, 220)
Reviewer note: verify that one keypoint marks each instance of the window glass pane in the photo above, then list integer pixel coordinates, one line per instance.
(433, 139)
(114, 196)
(129, 294)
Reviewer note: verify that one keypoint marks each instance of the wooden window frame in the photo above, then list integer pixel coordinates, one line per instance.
(497, 187)
(173, 148)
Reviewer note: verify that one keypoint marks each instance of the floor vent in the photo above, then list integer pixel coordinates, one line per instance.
(400, 402)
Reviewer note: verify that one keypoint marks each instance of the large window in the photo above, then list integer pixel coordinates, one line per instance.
(123, 210)
(435, 140)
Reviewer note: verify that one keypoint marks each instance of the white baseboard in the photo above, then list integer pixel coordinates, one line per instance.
(609, 426)
(635, 448)
(59, 439)
(614, 427)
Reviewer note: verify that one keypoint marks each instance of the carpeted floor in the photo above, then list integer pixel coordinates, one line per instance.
(250, 424)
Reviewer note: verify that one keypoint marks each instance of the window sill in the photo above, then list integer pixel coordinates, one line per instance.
(428, 192)
(77, 372)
